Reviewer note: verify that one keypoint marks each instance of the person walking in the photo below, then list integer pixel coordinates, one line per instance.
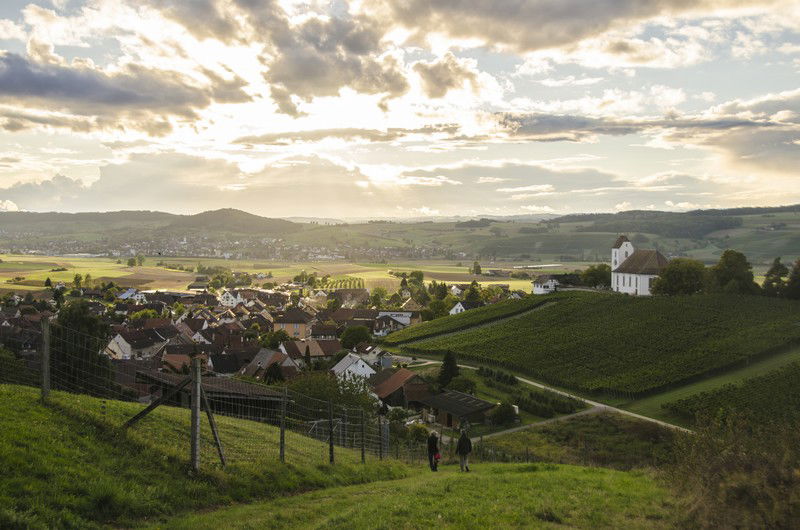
(433, 451)
(463, 449)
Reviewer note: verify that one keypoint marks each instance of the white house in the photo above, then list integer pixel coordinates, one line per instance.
(135, 344)
(352, 366)
(139, 298)
(127, 294)
(231, 299)
(634, 271)
(462, 306)
(545, 284)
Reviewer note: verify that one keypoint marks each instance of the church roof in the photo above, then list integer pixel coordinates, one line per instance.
(620, 240)
(643, 262)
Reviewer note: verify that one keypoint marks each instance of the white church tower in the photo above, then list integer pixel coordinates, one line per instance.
(621, 251)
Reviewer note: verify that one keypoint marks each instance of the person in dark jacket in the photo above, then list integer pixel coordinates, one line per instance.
(433, 451)
(463, 449)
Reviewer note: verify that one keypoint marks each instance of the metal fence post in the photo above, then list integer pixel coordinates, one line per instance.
(195, 404)
(363, 440)
(380, 438)
(45, 359)
(284, 399)
(330, 431)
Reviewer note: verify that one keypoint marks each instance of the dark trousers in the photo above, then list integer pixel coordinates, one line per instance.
(432, 461)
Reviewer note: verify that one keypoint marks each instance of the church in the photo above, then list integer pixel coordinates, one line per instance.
(634, 271)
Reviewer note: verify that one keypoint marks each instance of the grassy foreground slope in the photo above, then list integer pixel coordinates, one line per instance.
(491, 496)
(627, 345)
(462, 321)
(68, 465)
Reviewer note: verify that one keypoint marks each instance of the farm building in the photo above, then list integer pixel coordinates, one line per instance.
(634, 271)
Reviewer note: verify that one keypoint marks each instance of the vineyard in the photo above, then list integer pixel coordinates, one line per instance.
(775, 395)
(465, 320)
(347, 282)
(628, 346)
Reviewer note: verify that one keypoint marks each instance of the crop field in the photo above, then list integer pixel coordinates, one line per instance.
(775, 395)
(596, 343)
(463, 321)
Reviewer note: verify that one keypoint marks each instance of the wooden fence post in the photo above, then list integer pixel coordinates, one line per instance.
(45, 359)
(195, 404)
(380, 438)
(284, 399)
(330, 431)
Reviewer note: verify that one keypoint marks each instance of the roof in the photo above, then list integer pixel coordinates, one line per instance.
(411, 305)
(292, 316)
(141, 338)
(456, 403)
(643, 262)
(345, 363)
(620, 240)
(213, 386)
(394, 383)
(470, 305)
(316, 348)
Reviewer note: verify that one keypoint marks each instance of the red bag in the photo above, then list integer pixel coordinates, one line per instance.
(437, 456)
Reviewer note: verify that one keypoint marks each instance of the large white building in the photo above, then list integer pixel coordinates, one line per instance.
(634, 271)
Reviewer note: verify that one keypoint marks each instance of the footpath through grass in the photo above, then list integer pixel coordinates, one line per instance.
(491, 496)
(68, 465)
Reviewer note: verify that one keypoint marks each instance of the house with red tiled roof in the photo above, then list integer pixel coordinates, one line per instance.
(400, 388)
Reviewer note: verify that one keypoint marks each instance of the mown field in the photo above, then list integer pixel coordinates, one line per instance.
(68, 465)
(775, 395)
(465, 320)
(490, 496)
(629, 346)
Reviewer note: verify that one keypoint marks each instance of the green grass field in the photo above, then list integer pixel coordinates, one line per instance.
(594, 342)
(490, 496)
(69, 465)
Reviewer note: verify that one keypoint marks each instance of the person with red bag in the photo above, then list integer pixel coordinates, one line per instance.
(433, 451)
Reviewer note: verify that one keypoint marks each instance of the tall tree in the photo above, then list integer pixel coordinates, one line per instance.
(734, 274)
(473, 294)
(774, 282)
(476, 268)
(681, 276)
(448, 370)
(48, 282)
(597, 275)
(76, 280)
(308, 357)
(354, 335)
(792, 289)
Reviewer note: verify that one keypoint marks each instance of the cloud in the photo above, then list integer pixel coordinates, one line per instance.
(346, 134)
(441, 76)
(8, 206)
(137, 96)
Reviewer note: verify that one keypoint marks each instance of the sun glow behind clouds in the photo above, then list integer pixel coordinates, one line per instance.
(439, 108)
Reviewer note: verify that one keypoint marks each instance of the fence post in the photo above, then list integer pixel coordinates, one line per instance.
(195, 404)
(380, 438)
(45, 359)
(363, 441)
(284, 399)
(330, 430)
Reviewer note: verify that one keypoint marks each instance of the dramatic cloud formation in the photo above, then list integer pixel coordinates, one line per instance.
(398, 107)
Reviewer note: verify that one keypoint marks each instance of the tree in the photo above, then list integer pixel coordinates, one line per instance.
(473, 294)
(142, 315)
(734, 274)
(476, 268)
(58, 297)
(417, 277)
(377, 296)
(355, 335)
(462, 384)
(681, 276)
(503, 414)
(139, 260)
(597, 275)
(131, 262)
(77, 280)
(774, 282)
(448, 370)
(273, 339)
(323, 386)
(48, 282)
(307, 357)
(333, 304)
(792, 289)
(438, 308)
(87, 280)
(274, 374)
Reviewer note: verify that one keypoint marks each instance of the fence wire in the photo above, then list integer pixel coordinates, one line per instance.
(249, 417)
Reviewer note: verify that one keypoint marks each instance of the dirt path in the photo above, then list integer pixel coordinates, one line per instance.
(585, 412)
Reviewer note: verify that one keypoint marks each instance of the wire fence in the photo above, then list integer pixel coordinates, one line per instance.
(242, 423)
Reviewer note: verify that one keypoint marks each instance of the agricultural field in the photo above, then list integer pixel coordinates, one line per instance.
(775, 395)
(605, 439)
(465, 320)
(594, 342)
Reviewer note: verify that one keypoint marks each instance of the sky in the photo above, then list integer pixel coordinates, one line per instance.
(398, 108)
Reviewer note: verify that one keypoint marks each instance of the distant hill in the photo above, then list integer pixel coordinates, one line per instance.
(234, 221)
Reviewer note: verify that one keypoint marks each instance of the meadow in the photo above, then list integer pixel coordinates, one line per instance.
(594, 342)
(69, 465)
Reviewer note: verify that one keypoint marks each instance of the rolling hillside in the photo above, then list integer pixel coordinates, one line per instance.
(596, 343)
(68, 465)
